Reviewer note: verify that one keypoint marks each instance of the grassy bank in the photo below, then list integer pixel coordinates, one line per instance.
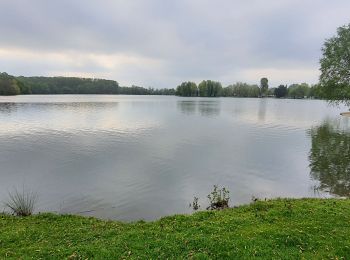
(309, 228)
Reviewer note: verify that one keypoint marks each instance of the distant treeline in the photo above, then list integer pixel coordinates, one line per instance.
(208, 88)
(10, 85)
(66, 85)
(136, 90)
(302, 90)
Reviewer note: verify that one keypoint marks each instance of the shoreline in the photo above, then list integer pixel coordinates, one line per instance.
(297, 228)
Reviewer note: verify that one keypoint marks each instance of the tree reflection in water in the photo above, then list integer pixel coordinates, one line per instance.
(207, 108)
(330, 157)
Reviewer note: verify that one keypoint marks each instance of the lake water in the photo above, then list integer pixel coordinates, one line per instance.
(144, 157)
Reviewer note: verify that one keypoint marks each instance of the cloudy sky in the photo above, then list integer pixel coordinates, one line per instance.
(161, 43)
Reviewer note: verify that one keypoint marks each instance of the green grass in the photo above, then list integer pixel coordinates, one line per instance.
(283, 228)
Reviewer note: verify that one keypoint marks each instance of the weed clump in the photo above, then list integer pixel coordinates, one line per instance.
(195, 205)
(21, 203)
(218, 199)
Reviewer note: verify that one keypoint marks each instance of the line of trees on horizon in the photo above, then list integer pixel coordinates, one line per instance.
(208, 88)
(11, 85)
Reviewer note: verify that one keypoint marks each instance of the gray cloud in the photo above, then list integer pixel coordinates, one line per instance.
(161, 42)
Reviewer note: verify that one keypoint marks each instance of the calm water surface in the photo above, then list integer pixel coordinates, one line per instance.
(143, 157)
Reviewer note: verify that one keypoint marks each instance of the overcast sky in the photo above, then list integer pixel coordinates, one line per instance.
(161, 43)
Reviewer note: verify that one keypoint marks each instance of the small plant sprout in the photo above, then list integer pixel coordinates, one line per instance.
(21, 203)
(218, 198)
(195, 205)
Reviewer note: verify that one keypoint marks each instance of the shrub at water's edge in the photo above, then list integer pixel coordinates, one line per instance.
(275, 229)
